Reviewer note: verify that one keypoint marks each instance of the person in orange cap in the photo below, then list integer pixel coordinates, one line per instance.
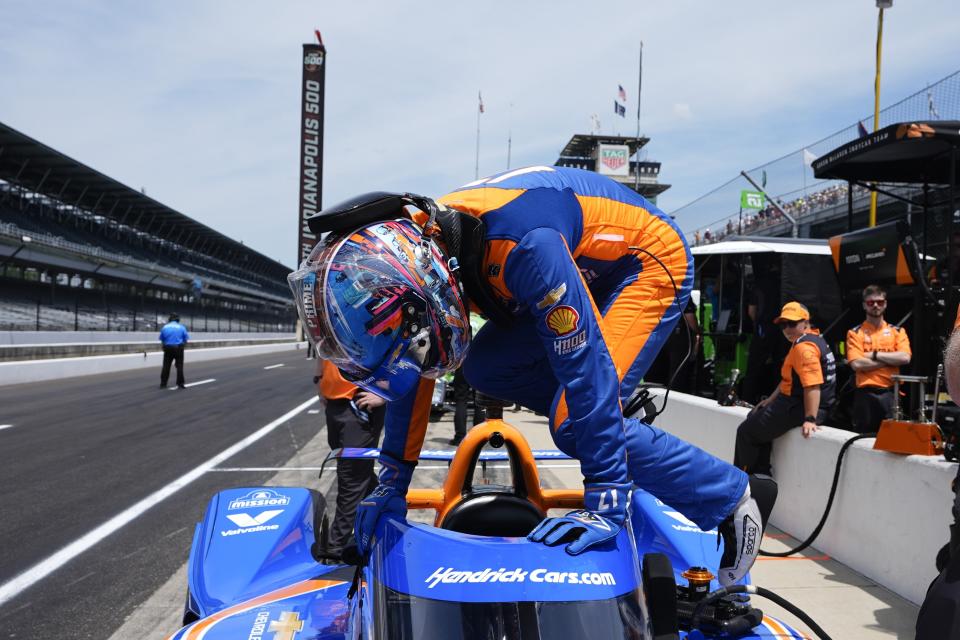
(803, 398)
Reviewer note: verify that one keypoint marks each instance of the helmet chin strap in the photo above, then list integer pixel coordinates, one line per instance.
(420, 346)
(430, 229)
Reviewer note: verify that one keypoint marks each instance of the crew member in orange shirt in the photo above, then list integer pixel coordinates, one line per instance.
(803, 397)
(875, 351)
(354, 419)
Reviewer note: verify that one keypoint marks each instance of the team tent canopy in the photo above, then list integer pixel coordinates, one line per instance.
(924, 153)
(908, 152)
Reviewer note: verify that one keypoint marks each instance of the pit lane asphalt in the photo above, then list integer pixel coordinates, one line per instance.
(81, 450)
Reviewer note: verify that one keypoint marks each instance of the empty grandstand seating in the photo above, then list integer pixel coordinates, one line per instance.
(72, 229)
(79, 250)
(24, 314)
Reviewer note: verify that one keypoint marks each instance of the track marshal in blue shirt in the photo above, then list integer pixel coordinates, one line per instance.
(173, 336)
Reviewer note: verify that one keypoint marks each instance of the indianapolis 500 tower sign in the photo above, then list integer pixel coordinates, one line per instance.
(311, 142)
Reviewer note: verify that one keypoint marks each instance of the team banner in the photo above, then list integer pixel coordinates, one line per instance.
(311, 143)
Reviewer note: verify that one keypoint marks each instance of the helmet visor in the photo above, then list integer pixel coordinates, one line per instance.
(395, 377)
(363, 297)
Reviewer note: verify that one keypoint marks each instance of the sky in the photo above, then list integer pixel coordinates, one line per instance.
(198, 102)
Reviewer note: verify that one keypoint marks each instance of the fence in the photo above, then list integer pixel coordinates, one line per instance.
(38, 316)
(789, 179)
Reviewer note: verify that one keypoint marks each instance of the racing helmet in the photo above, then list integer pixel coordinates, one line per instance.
(384, 305)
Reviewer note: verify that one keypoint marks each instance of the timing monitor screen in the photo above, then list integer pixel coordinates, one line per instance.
(871, 256)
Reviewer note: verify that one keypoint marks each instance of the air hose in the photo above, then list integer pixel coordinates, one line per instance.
(764, 593)
(826, 512)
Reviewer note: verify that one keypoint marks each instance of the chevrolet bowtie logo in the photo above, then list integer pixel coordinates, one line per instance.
(244, 520)
(553, 296)
(287, 626)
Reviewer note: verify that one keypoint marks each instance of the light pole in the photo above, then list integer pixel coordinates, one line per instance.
(881, 5)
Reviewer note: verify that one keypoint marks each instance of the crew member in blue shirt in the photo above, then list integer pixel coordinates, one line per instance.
(174, 336)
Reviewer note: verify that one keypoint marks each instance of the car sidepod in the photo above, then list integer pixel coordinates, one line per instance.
(251, 541)
(658, 528)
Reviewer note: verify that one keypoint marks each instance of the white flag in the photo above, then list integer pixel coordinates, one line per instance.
(934, 115)
(808, 157)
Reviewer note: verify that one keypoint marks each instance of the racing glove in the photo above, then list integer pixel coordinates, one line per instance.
(388, 497)
(606, 507)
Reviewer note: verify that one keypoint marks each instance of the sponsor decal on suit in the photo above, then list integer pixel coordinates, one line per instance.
(563, 320)
(553, 296)
(563, 346)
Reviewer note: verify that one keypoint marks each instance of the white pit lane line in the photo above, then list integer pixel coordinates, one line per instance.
(333, 465)
(196, 384)
(272, 366)
(5, 426)
(37, 572)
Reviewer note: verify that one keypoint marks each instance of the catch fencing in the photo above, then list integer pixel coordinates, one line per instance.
(789, 179)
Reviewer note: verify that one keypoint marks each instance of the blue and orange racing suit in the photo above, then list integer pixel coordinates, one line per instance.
(591, 311)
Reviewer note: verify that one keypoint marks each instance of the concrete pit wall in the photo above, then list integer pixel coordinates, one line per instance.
(891, 513)
(20, 372)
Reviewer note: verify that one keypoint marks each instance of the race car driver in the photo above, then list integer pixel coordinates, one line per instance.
(583, 280)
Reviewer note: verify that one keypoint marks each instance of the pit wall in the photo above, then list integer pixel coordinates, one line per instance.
(891, 513)
(20, 372)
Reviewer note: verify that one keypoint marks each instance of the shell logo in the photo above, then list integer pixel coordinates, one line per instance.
(563, 320)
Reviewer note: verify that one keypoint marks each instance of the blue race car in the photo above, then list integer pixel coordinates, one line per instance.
(255, 571)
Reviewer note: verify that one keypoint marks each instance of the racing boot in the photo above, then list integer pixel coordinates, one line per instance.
(742, 530)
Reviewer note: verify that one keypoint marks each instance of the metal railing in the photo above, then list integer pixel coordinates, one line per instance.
(790, 178)
(39, 316)
(17, 233)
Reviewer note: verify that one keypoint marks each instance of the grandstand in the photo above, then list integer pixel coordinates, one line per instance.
(820, 206)
(81, 251)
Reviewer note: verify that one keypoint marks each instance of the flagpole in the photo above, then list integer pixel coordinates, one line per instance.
(876, 110)
(476, 166)
(636, 166)
(509, 135)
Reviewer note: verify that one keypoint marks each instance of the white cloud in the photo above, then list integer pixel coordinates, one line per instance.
(198, 102)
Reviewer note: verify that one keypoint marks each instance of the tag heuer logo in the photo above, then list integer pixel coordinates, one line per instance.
(613, 159)
(312, 60)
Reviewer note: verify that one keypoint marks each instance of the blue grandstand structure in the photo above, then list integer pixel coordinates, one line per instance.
(81, 251)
